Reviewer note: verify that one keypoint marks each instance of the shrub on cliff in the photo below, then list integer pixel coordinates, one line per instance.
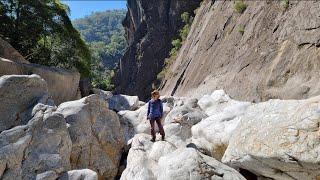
(240, 6)
(285, 4)
(241, 30)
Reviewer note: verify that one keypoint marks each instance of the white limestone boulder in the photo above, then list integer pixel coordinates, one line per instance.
(278, 139)
(188, 163)
(143, 157)
(96, 134)
(212, 134)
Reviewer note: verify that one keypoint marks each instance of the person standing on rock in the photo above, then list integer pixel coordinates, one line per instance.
(155, 113)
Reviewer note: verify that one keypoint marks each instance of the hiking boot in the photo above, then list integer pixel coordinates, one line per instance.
(162, 138)
(153, 139)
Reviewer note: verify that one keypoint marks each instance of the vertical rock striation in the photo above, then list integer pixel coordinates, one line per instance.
(150, 26)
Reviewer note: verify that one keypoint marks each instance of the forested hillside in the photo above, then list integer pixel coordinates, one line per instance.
(104, 33)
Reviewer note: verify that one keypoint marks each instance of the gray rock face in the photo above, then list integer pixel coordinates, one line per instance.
(277, 56)
(122, 102)
(97, 138)
(39, 146)
(278, 139)
(18, 95)
(150, 26)
(103, 94)
(62, 84)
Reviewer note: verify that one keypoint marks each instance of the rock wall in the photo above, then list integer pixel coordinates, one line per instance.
(62, 84)
(150, 28)
(277, 56)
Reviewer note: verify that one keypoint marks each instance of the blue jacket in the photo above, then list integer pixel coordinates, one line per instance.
(155, 109)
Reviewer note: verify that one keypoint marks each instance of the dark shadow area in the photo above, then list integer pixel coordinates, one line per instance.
(248, 175)
(123, 162)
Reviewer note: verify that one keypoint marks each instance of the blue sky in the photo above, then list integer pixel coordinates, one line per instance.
(81, 8)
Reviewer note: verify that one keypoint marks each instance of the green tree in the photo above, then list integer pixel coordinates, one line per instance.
(43, 33)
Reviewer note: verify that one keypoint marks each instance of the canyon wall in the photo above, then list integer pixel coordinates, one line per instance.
(271, 50)
(150, 26)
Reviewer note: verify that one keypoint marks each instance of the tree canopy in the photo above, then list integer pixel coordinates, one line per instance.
(43, 33)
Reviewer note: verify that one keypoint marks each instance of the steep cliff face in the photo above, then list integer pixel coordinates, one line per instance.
(150, 27)
(271, 50)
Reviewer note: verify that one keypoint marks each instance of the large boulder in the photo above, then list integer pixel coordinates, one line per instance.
(213, 133)
(143, 157)
(97, 138)
(162, 160)
(62, 84)
(43, 144)
(188, 163)
(179, 121)
(122, 102)
(18, 95)
(278, 139)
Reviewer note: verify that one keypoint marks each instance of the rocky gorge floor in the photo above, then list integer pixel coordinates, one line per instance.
(106, 136)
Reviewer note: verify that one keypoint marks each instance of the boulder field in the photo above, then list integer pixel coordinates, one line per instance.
(38, 140)
(216, 137)
(106, 136)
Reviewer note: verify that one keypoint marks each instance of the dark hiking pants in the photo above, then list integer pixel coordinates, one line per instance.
(153, 133)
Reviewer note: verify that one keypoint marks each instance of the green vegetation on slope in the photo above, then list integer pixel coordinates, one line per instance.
(240, 6)
(187, 19)
(43, 33)
(104, 33)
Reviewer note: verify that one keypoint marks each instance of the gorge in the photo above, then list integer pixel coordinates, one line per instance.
(241, 99)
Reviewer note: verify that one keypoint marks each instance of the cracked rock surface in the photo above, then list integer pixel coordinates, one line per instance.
(97, 138)
(278, 139)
